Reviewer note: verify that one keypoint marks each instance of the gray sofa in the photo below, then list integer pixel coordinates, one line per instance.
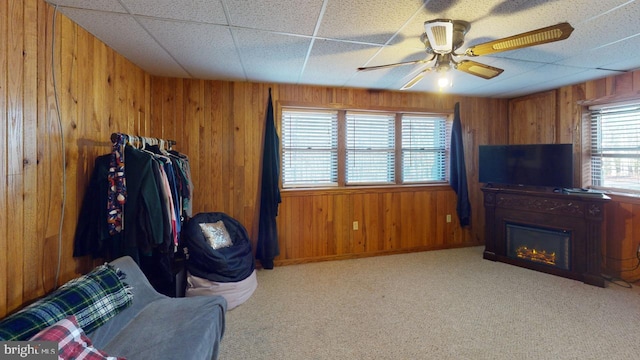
(122, 315)
(159, 327)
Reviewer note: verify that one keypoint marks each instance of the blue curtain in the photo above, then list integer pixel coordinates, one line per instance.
(268, 247)
(458, 170)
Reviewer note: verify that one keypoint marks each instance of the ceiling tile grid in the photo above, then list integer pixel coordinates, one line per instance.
(323, 42)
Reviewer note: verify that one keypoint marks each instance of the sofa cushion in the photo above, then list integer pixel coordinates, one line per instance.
(73, 343)
(176, 328)
(93, 298)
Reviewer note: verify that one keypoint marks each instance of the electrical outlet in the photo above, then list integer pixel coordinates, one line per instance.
(355, 225)
(448, 218)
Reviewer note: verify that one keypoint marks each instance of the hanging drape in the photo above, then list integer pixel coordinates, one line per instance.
(458, 172)
(268, 248)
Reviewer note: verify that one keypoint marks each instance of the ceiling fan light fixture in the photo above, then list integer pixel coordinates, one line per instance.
(444, 81)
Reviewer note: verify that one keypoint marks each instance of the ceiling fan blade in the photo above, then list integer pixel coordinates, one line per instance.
(478, 69)
(416, 79)
(531, 38)
(367, 68)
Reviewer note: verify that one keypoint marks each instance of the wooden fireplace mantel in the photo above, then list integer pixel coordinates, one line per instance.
(580, 215)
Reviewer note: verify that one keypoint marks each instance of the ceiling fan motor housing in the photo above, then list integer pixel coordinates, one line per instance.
(443, 36)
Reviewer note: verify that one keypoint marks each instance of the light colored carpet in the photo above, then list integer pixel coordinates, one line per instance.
(445, 304)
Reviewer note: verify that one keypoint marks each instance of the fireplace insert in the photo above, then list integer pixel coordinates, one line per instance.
(550, 247)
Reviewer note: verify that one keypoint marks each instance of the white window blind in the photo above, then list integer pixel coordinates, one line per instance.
(309, 148)
(370, 144)
(615, 146)
(423, 148)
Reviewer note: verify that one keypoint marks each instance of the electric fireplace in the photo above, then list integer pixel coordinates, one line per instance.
(539, 246)
(560, 234)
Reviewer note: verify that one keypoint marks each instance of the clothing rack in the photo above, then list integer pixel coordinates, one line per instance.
(149, 140)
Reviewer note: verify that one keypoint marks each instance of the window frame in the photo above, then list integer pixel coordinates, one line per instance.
(588, 173)
(341, 161)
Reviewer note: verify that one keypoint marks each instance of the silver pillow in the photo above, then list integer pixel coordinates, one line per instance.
(216, 234)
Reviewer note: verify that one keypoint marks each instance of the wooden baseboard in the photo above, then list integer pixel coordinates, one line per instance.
(284, 262)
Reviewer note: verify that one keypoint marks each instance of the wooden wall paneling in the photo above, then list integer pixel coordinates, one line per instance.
(570, 126)
(32, 280)
(445, 231)
(68, 91)
(621, 239)
(623, 83)
(596, 89)
(310, 239)
(532, 119)
(390, 232)
(408, 219)
(192, 137)
(15, 151)
(285, 231)
(425, 220)
(4, 151)
(359, 213)
(238, 162)
(293, 216)
(226, 155)
(50, 150)
(339, 234)
(219, 112)
(373, 213)
(318, 231)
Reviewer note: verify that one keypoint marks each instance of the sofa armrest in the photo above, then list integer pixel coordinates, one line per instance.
(143, 295)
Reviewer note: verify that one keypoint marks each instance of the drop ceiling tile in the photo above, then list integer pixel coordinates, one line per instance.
(333, 62)
(205, 51)
(271, 57)
(626, 56)
(289, 16)
(354, 33)
(100, 5)
(369, 21)
(137, 45)
(206, 11)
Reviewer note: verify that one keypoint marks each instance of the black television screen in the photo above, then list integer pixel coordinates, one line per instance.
(549, 165)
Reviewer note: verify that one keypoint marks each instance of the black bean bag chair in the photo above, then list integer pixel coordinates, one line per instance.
(226, 264)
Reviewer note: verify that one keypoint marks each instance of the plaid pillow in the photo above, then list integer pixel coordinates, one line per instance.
(73, 343)
(93, 298)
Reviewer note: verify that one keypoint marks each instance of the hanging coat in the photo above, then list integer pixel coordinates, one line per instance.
(458, 171)
(268, 247)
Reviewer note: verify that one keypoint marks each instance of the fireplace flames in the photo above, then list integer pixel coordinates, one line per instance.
(539, 256)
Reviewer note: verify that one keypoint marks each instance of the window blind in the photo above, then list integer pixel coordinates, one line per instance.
(615, 146)
(309, 148)
(370, 144)
(423, 148)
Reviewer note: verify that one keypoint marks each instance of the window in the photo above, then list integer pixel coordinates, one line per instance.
(423, 148)
(370, 141)
(349, 148)
(309, 148)
(615, 146)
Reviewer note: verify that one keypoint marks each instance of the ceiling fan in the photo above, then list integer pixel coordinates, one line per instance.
(442, 37)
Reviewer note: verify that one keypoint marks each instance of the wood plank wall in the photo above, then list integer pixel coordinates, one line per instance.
(530, 121)
(99, 92)
(220, 125)
(222, 129)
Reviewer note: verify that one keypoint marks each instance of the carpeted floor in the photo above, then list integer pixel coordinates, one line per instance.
(446, 304)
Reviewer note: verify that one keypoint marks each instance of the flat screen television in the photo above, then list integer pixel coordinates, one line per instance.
(548, 165)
